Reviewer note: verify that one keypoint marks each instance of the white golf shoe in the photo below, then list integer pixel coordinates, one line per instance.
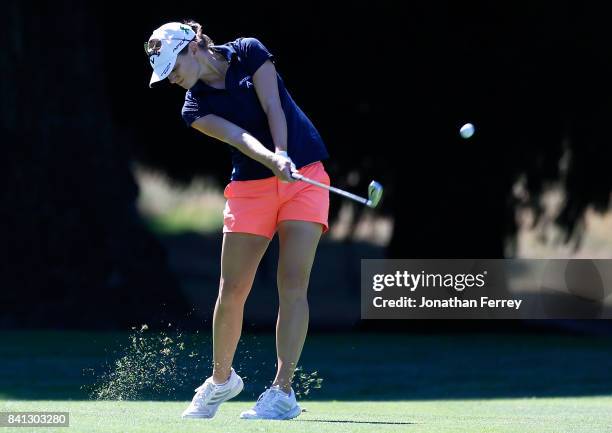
(273, 404)
(209, 396)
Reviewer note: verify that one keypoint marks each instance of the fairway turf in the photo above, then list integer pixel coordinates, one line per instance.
(589, 415)
(371, 383)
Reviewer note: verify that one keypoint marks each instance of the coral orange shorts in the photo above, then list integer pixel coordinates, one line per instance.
(257, 206)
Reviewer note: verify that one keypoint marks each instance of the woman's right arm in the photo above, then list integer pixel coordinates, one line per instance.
(230, 133)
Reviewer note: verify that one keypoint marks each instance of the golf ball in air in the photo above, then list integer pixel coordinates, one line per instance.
(467, 130)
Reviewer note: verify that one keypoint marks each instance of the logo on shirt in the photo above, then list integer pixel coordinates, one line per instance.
(246, 82)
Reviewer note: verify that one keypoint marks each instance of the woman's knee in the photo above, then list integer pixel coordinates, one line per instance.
(293, 277)
(233, 291)
(293, 283)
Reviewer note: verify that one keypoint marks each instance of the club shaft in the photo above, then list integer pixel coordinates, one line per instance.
(332, 189)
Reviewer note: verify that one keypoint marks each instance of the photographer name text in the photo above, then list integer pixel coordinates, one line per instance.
(484, 302)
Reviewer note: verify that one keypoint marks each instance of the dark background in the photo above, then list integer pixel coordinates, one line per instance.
(387, 84)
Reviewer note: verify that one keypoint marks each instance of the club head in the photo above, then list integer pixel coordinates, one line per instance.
(375, 192)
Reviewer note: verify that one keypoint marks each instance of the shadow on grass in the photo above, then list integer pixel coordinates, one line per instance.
(340, 421)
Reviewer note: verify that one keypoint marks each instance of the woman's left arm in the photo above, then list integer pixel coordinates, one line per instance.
(266, 86)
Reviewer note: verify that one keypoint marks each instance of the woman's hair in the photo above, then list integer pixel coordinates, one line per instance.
(203, 40)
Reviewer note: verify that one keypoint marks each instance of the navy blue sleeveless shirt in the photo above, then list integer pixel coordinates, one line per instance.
(238, 103)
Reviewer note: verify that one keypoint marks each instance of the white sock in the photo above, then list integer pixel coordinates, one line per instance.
(221, 384)
(281, 390)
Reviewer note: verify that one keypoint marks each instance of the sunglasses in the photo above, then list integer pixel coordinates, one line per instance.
(153, 46)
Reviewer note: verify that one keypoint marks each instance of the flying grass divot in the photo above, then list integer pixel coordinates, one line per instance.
(148, 366)
(165, 365)
(304, 382)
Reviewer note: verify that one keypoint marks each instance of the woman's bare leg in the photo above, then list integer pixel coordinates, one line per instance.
(298, 242)
(240, 257)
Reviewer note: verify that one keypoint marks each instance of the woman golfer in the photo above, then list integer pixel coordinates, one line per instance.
(235, 95)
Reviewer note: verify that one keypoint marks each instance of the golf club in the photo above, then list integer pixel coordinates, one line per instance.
(375, 191)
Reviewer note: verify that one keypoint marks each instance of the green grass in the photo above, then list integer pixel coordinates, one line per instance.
(186, 219)
(371, 382)
(588, 414)
(171, 209)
